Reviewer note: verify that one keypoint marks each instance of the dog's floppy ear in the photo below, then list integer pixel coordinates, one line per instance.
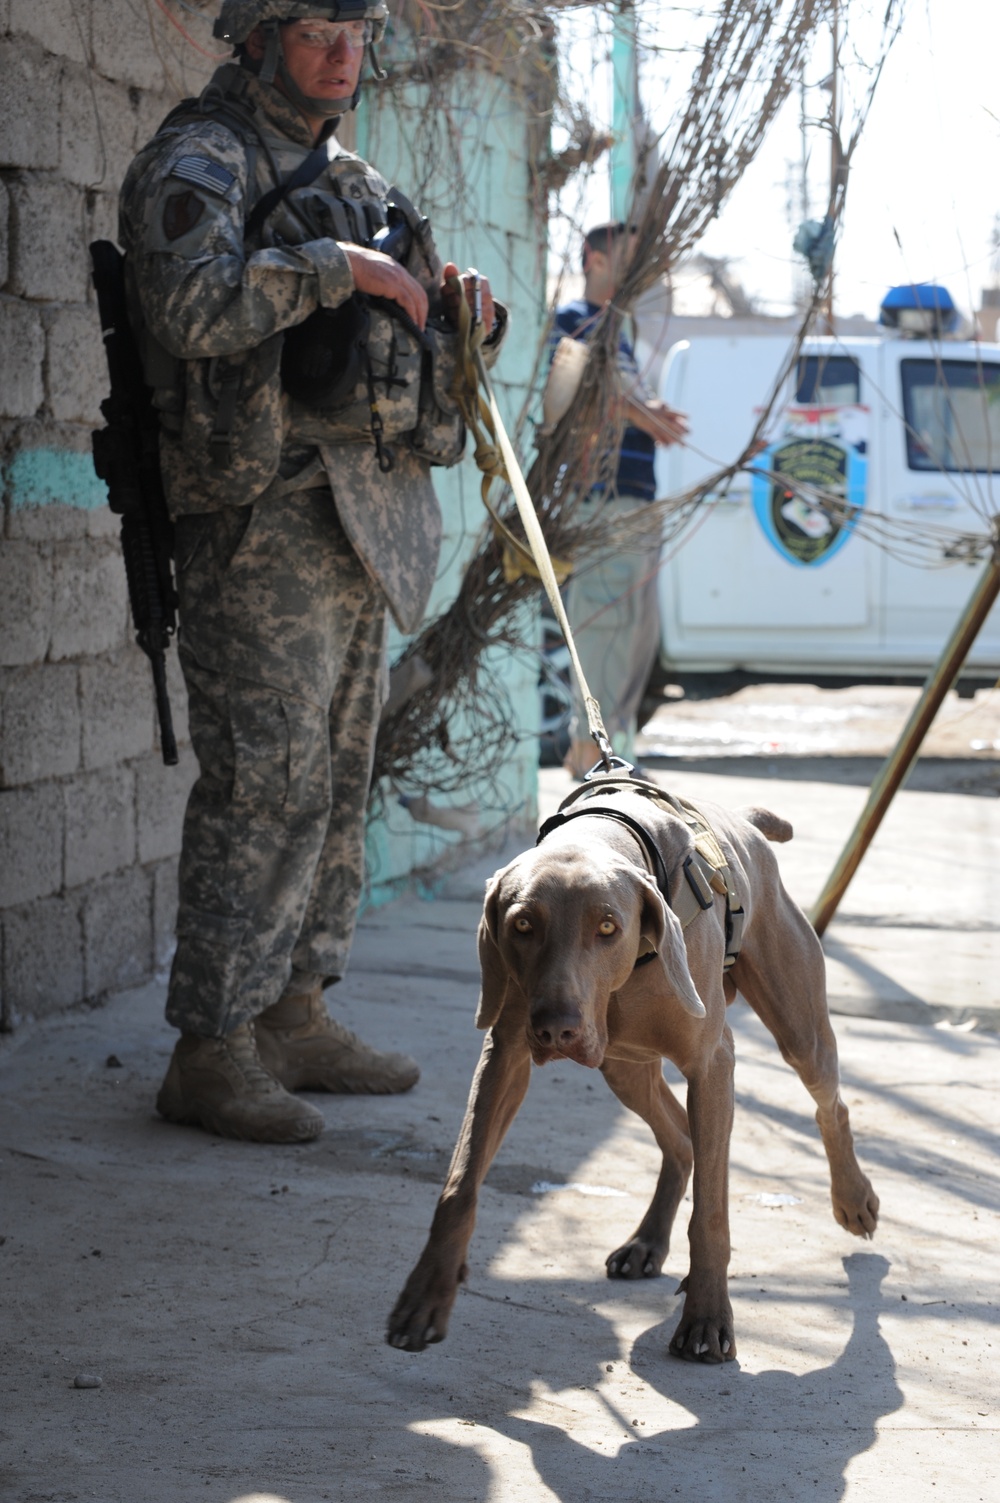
(493, 984)
(661, 931)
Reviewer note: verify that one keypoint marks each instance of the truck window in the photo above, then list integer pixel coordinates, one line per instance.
(828, 381)
(952, 412)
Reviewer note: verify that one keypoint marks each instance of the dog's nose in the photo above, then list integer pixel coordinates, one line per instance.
(557, 1028)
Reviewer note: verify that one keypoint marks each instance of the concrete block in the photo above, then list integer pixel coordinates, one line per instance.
(96, 129)
(102, 523)
(25, 603)
(164, 912)
(58, 25)
(39, 723)
(31, 843)
(52, 491)
(43, 970)
(122, 44)
(60, 522)
(151, 110)
(116, 697)
(100, 824)
(118, 932)
(22, 351)
(161, 795)
(29, 105)
(90, 600)
(102, 224)
(76, 372)
(4, 233)
(48, 246)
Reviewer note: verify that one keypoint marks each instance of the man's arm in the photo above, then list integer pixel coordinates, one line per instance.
(653, 417)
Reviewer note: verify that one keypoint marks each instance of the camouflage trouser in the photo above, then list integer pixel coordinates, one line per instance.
(613, 610)
(282, 643)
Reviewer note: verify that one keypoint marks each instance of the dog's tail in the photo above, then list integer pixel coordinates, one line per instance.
(771, 825)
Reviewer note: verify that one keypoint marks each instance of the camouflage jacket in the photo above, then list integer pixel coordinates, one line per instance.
(211, 307)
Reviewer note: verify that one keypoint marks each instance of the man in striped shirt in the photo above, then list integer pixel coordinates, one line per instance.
(612, 602)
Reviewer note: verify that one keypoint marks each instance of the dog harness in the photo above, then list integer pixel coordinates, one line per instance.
(706, 870)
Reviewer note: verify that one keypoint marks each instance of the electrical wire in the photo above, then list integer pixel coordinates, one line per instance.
(213, 57)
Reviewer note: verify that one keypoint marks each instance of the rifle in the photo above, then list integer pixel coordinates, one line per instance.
(126, 456)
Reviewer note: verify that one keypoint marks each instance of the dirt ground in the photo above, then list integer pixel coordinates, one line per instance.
(231, 1298)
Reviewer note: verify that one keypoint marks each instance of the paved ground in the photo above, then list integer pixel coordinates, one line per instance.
(787, 721)
(232, 1298)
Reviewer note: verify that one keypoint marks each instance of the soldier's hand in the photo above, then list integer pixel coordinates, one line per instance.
(380, 276)
(449, 296)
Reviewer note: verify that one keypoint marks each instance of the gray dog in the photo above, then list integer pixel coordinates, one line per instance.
(616, 942)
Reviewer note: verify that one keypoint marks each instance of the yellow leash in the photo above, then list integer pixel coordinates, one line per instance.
(496, 459)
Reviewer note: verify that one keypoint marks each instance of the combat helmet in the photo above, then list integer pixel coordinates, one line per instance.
(238, 18)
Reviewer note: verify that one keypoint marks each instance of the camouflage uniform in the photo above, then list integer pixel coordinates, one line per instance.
(283, 586)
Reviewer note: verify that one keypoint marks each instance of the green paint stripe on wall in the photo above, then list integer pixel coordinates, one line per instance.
(54, 477)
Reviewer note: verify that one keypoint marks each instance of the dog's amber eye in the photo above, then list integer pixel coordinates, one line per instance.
(522, 925)
(607, 926)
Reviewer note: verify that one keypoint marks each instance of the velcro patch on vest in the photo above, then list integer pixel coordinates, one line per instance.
(205, 174)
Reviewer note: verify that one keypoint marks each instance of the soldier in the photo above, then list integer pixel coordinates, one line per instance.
(302, 382)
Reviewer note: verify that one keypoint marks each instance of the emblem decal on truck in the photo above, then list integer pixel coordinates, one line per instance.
(811, 481)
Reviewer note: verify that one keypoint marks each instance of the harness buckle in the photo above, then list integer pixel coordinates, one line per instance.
(698, 882)
(735, 919)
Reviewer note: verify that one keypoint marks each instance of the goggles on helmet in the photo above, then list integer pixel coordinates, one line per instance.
(239, 17)
(326, 34)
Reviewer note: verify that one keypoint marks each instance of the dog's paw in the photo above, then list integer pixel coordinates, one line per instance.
(702, 1336)
(855, 1207)
(420, 1316)
(638, 1259)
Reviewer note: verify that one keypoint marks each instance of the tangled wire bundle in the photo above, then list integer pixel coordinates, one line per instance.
(455, 728)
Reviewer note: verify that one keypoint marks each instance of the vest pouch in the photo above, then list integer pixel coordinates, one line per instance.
(389, 367)
(439, 434)
(323, 358)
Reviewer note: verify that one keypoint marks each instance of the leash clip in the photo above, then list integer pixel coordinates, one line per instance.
(609, 763)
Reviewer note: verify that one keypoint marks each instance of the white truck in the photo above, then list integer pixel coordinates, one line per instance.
(763, 581)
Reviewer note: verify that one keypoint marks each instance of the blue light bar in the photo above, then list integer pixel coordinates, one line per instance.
(922, 298)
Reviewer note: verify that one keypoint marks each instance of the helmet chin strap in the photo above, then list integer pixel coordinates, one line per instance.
(272, 52)
(380, 74)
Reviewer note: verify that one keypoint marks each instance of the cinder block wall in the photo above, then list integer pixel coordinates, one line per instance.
(89, 817)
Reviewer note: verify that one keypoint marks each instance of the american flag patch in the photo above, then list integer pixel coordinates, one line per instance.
(204, 173)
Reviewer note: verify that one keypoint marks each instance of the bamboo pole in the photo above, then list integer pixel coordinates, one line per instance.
(827, 307)
(625, 109)
(907, 748)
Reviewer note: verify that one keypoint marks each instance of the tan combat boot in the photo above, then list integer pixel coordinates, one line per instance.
(220, 1084)
(307, 1051)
